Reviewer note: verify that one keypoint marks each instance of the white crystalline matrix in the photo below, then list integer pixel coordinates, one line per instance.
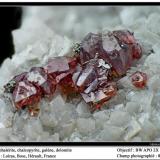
(132, 115)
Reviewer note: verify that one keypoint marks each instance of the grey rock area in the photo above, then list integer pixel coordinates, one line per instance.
(132, 115)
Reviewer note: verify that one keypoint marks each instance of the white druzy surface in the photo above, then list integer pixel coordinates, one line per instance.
(132, 115)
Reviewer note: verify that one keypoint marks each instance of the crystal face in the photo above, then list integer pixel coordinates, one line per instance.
(101, 96)
(41, 79)
(137, 51)
(67, 86)
(25, 94)
(139, 79)
(86, 77)
(61, 69)
(57, 65)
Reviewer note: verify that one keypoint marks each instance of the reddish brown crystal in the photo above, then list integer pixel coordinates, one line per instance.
(72, 62)
(67, 86)
(26, 94)
(62, 68)
(110, 89)
(118, 48)
(139, 79)
(137, 51)
(86, 77)
(101, 96)
(56, 66)
(40, 78)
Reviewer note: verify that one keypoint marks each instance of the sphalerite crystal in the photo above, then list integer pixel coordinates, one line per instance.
(40, 78)
(139, 79)
(117, 48)
(25, 93)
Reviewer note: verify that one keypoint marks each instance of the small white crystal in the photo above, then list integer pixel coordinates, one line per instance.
(143, 117)
(33, 128)
(133, 129)
(5, 133)
(152, 23)
(101, 117)
(148, 131)
(83, 109)
(144, 101)
(132, 107)
(154, 83)
(49, 119)
(119, 107)
(58, 103)
(66, 130)
(86, 125)
(7, 70)
(2, 125)
(111, 133)
(6, 115)
(119, 118)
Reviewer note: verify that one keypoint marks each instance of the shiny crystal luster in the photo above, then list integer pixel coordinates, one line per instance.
(117, 48)
(40, 78)
(26, 93)
(101, 96)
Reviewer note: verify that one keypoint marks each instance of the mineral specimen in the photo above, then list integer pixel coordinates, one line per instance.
(100, 60)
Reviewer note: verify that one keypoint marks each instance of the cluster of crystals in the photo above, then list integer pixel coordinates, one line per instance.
(118, 48)
(30, 87)
(100, 59)
(92, 82)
